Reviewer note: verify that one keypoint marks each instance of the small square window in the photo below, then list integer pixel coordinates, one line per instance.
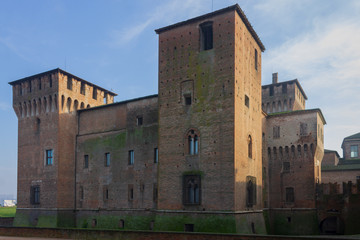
(86, 161)
(49, 157)
(107, 159)
(189, 227)
(139, 121)
(131, 157)
(187, 99)
(286, 166)
(156, 155)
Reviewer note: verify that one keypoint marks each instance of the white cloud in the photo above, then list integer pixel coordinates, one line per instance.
(326, 60)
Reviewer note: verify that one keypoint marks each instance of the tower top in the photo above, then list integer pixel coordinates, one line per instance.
(235, 7)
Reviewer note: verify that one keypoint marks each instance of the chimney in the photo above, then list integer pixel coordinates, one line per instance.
(275, 78)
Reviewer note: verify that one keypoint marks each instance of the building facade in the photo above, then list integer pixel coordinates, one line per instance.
(214, 151)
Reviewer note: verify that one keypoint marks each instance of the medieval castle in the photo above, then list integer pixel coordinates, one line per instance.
(214, 151)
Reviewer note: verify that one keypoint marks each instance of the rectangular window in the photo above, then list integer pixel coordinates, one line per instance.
(107, 159)
(69, 83)
(130, 192)
(286, 166)
(156, 155)
(106, 193)
(284, 88)
(188, 227)
(86, 161)
(192, 190)
(139, 121)
(187, 99)
(206, 36)
(290, 195)
(247, 101)
(82, 88)
(303, 129)
(39, 83)
(81, 193)
(250, 191)
(155, 192)
(50, 81)
(276, 132)
(94, 95)
(35, 195)
(49, 157)
(131, 157)
(30, 89)
(354, 151)
(256, 60)
(271, 93)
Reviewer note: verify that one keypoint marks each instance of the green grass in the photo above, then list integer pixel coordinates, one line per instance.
(7, 211)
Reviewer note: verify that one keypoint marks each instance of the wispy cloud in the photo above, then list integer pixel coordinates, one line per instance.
(4, 106)
(177, 8)
(10, 44)
(326, 59)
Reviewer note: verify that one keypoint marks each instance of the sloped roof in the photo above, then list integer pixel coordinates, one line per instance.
(355, 136)
(280, 114)
(332, 151)
(235, 7)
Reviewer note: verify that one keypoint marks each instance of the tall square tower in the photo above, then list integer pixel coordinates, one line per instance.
(210, 117)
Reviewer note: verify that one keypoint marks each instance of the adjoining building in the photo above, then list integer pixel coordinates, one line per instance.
(213, 151)
(346, 169)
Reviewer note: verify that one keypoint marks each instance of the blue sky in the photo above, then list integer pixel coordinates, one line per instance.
(112, 43)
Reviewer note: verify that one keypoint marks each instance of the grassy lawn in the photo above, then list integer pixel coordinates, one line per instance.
(7, 211)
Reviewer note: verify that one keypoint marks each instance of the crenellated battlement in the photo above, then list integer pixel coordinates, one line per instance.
(56, 91)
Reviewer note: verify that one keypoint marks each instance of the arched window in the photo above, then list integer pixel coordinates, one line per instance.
(285, 105)
(192, 189)
(193, 142)
(250, 191)
(249, 147)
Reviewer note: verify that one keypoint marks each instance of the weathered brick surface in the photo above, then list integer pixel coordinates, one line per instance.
(111, 234)
(47, 120)
(113, 129)
(305, 158)
(217, 80)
